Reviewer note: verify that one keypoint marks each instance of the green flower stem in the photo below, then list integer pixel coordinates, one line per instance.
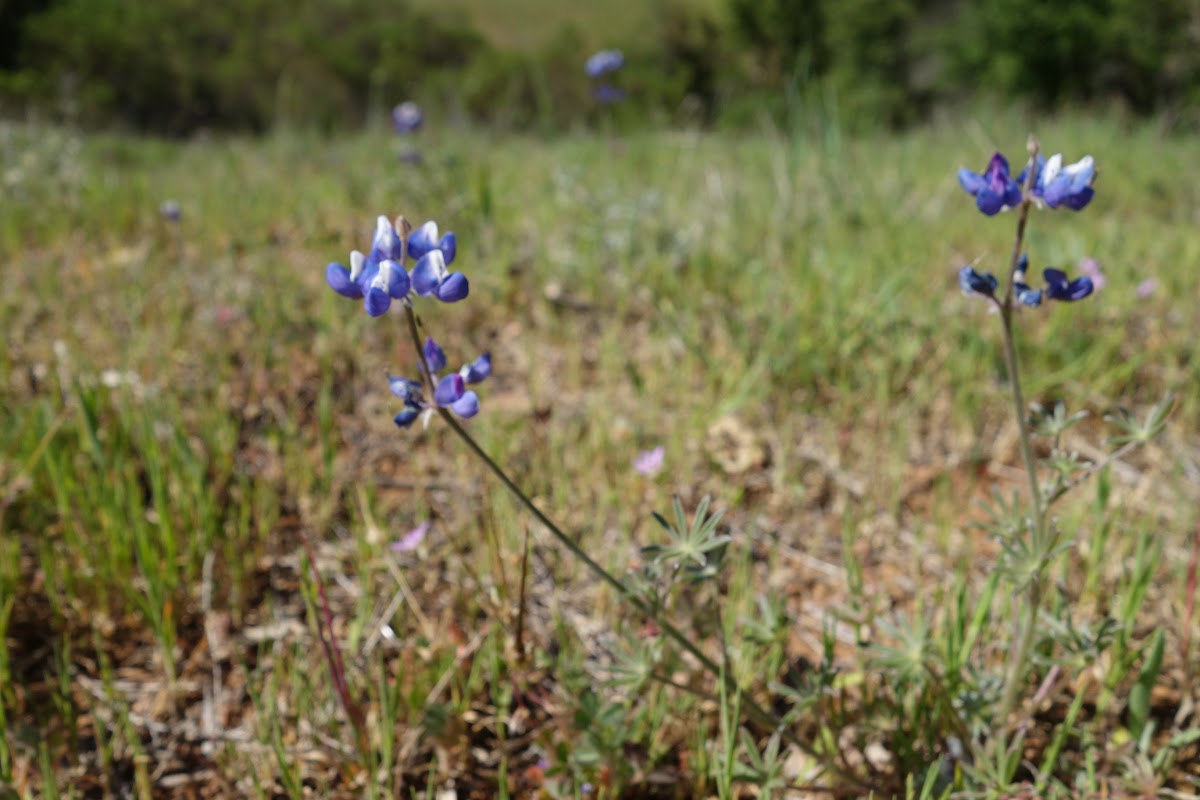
(1028, 625)
(760, 714)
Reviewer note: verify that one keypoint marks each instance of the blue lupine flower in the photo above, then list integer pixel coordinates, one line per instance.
(450, 391)
(407, 117)
(1059, 287)
(973, 282)
(607, 94)
(430, 275)
(378, 278)
(1024, 294)
(603, 62)
(1056, 185)
(425, 239)
(994, 190)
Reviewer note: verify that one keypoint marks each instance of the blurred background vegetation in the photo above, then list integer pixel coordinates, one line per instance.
(178, 67)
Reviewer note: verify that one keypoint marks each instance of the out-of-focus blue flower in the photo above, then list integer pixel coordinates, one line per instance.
(171, 211)
(450, 391)
(1056, 185)
(603, 62)
(407, 117)
(973, 282)
(607, 94)
(994, 190)
(1060, 287)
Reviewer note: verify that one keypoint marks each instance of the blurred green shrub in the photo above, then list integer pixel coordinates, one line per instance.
(177, 66)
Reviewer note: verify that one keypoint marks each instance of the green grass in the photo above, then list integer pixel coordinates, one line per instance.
(177, 394)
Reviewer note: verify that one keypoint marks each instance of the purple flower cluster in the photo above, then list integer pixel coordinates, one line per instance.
(602, 62)
(1053, 184)
(600, 65)
(450, 391)
(1058, 285)
(380, 277)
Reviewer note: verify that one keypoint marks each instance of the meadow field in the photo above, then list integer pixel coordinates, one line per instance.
(191, 420)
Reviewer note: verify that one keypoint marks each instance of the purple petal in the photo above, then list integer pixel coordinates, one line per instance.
(479, 369)
(387, 243)
(989, 202)
(411, 540)
(378, 301)
(972, 282)
(449, 390)
(449, 247)
(404, 388)
(428, 272)
(466, 406)
(435, 357)
(453, 288)
(397, 279)
(338, 278)
(973, 182)
(648, 462)
(407, 416)
(423, 240)
(1078, 201)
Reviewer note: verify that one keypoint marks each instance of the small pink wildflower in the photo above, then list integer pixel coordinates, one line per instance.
(648, 462)
(1091, 268)
(411, 540)
(1146, 288)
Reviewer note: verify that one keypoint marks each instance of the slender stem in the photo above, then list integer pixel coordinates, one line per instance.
(1028, 625)
(333, 657)
(763, 716)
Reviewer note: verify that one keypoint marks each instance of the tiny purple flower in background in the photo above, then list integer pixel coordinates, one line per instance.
(975, 283)
(1091, 268)
(1146, 288)
(407, 118)
(649, 462)
(411, 540)
(606, 94)
(1059, 287)
(994, 190)
(170, 210)
(603, 62)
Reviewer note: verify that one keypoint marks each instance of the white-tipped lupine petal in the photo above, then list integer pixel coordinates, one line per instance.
(357, 262)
